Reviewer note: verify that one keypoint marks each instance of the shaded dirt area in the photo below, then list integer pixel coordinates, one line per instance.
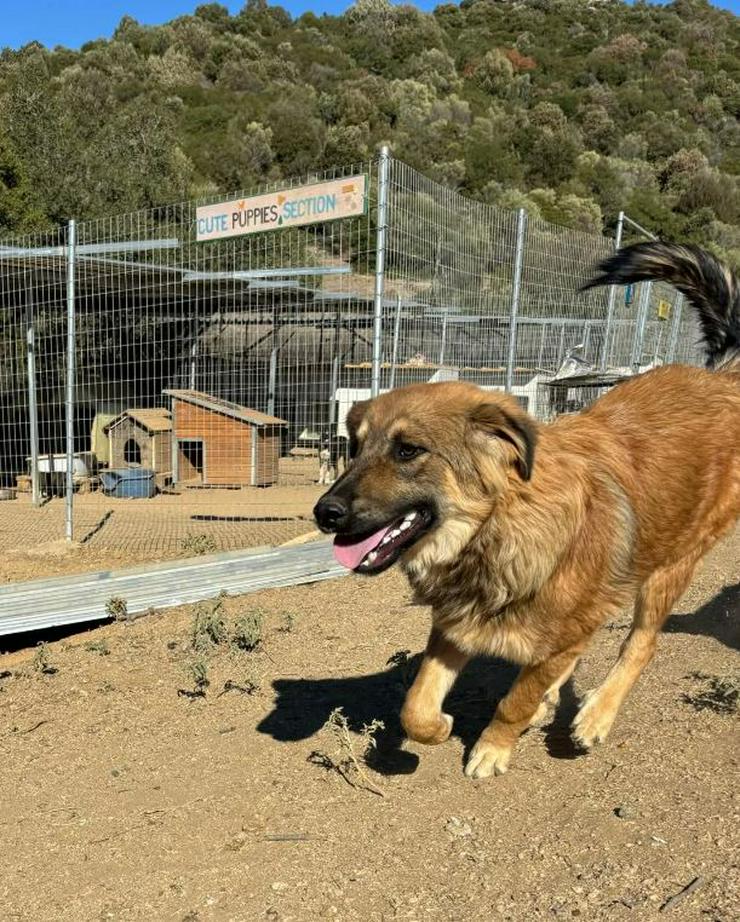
(124, 800)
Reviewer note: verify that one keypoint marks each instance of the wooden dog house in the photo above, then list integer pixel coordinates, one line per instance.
(219, 442)
(140, 438)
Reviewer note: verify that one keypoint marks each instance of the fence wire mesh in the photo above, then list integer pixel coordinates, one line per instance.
(211, 379)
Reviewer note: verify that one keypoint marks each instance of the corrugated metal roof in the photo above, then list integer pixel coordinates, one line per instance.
(45, 603)
(155, 419)
(226, 407)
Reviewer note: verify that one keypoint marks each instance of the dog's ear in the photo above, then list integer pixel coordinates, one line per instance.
(354, 419)
(512, 425)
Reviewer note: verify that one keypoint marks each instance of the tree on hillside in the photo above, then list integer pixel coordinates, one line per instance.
(18, 210)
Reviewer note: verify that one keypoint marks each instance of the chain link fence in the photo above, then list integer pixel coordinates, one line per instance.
(162, 395)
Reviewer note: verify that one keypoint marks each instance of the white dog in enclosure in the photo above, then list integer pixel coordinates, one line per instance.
(326, 471)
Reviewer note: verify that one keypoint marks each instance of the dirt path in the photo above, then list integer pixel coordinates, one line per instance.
(124, 800)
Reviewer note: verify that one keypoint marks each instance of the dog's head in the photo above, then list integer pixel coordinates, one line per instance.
(429, 462)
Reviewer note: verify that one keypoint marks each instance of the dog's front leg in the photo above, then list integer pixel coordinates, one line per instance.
(421, 715)
(515, 712)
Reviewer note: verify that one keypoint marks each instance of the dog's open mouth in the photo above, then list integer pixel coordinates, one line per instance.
(380, 550)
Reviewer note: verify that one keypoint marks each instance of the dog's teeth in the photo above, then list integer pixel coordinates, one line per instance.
(406, 524)
(371, 557)
(396, 533)
(410, 517)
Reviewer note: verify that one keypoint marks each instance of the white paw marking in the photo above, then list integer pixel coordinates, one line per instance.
(593, 721)
(487, 759)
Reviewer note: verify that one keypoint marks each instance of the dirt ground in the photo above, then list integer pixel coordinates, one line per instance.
(126, 795)
(113, 533)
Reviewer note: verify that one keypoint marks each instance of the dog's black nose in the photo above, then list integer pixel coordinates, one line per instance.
(331, 513)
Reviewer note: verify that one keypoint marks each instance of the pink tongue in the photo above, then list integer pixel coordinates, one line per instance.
(352, 555)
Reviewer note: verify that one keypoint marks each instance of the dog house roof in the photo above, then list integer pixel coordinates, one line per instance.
(154, 419)
(226, 407)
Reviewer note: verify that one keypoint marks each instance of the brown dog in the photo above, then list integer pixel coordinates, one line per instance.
(524, 538)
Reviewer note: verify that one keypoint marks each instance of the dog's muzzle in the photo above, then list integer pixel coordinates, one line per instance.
(331, 513)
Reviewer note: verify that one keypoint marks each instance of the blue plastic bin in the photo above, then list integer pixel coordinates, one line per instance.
(129, 483)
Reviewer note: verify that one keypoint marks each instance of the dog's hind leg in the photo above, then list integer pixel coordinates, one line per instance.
(421, 715)
(551, 698)
(516, 711)
(654, 603)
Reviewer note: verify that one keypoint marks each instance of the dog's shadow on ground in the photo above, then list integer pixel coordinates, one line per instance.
(302, 706)
(718, 618)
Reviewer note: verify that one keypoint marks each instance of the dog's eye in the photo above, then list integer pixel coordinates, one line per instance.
(403, 451)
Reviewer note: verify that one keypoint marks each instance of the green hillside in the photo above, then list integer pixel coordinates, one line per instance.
(574, 109)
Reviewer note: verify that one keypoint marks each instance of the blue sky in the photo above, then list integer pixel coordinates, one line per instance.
(74, 22)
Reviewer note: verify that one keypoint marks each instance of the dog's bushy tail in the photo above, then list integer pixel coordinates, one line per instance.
(711, 288)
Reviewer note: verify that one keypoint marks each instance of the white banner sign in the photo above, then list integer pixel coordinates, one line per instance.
(323, 201)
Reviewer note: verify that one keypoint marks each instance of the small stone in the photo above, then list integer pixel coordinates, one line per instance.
(624, 812)
(457, 828)
(237, 842)
(279, 886)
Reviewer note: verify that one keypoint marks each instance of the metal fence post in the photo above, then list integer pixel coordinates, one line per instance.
(445, 311)
(612, 300)
(521, 229)
(70, 396)
(586, 338)
(383, 171)
(541, 353)
(272, 384)
(642, 315)
(33, 413)
(658, 341)
(334, 386)
(561, 347)
(193, 359)
(675, 327)
(396, 337)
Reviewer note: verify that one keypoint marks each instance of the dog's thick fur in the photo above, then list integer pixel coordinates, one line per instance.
(540, 533)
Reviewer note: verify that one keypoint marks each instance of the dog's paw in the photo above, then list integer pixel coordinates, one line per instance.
(445, 729)
(425, 731)
(593, 721)
(487, 759)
